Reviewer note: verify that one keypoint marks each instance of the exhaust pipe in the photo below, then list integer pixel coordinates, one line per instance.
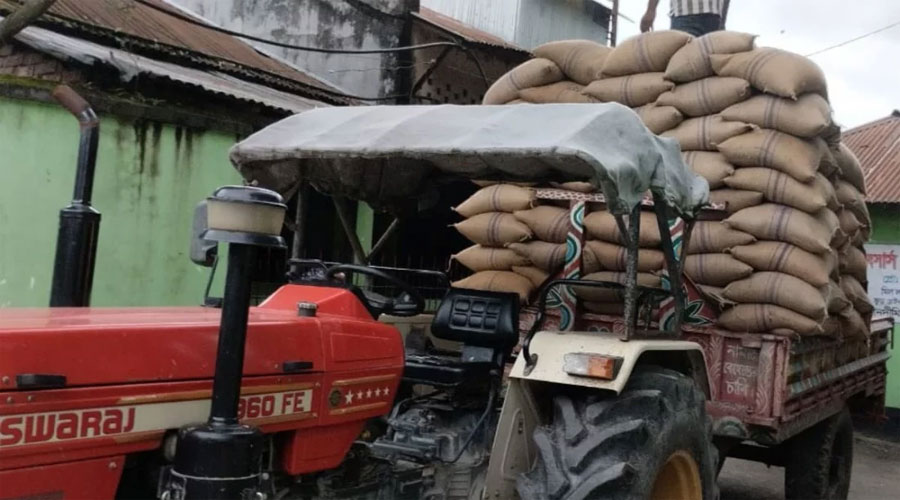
(79, 223)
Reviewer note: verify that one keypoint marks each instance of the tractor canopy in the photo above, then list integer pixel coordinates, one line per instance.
(385, 155)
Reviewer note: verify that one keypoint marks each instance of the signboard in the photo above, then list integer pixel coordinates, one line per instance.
(884, 279)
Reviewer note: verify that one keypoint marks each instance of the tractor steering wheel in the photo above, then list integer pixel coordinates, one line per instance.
(409, 303)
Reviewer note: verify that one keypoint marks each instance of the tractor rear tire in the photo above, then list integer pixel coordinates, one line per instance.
(652, 441)
(819, 461)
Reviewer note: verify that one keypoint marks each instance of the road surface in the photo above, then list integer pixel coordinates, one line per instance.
(876, 475)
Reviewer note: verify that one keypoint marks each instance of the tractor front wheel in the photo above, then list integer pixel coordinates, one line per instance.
(652, 441)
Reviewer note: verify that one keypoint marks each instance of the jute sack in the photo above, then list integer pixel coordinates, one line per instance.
(856, 294)
(835, 298)
(593, 294)
(531, 73)
(546, 222)
(770, 148)
(493, 229)
(773, 71)
(644, 53)
(781, 223)
(496, 198)
(849, 167)
(659, 118)
(707, 96)
(485, 183)
(631, 90)
(551, 256)
(536, 275)
(853, 261)
(498, 281)
(852, 200)
(825, 186)
(778, 187)
(827, 164)
(735, 199)
(616, 308)
(691, 62)
(808, 116)
(710, 165)
(564, 91)
(612, 257)
(716, 269)
(852, 324)
(780, 289)
(580, 60)
(479, 258)
(786, 258)
(715, 237)
(756, 318)
(579, 186)
(849, 224)
(829, 220)
(706, 133)
(601, 225)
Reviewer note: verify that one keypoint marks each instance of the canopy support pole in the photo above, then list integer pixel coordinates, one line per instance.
(359, 255)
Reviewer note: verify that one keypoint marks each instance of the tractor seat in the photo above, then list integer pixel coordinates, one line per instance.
(487, 325)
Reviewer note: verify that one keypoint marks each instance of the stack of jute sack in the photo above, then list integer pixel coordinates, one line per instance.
(756, 123)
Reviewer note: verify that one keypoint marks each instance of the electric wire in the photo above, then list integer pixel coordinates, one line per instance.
(860, 37)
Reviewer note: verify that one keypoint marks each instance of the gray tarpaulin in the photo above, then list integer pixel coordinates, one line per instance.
(384, 154)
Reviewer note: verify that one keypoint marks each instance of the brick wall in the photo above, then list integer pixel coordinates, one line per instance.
(18, 60)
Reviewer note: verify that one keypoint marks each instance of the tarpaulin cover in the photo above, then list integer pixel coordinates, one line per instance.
(386, 154)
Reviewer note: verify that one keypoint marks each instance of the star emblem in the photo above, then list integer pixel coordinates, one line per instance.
(369, 393)
(386, 391)
(378, 392)
(348, 397)
(359, 395)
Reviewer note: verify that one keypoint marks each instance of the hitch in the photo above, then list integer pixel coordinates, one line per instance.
(222, 459)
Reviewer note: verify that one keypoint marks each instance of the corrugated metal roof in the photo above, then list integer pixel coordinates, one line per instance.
(877, 145)
(463, 30)
(131, 65)
(113, 20)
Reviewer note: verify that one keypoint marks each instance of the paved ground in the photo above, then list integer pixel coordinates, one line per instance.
(876, 475)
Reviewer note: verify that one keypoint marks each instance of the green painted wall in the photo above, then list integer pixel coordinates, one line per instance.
(886, 229)
(149, 177)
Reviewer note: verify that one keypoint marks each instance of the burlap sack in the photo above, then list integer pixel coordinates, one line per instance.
(580, 60)
(786, 258)
(609, 308)
(601, 225)
(735, 200)
(827, 164)
(849, 224)
(609, 295)
(849, 167)
(779, 188)
(548, 223)
(631, 90)
(564, 91)
(644, 53)
(710, 165)
(856, 294)
(853, 261)
(531, 73)
(691, 62)
(829, 220)
(706, 133)
(714, 295)
(612, 257)
(579, 186)
(707, 96)
(551, 256)
(757, 318)
(518, 101)
(715, 237)
(773, 71)
(493, 229)
(824, 186)
(780, 289)
(852, 200)
(536, 275)
(498, 281)
(485, 183)
(478, 258)
(715, 269)
(782, 223)
(770, 148)
(496, 198)
(808, 116)
(852, 324)
(835, 298)
(659, 118)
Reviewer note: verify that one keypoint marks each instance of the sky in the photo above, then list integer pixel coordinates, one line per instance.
(863, 76)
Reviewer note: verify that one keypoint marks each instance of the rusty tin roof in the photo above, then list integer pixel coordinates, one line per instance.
(464, 31)
(877, 145)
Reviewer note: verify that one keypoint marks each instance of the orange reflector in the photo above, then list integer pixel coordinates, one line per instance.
(585, 364)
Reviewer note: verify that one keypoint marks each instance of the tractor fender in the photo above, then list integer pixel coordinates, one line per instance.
(555, 349)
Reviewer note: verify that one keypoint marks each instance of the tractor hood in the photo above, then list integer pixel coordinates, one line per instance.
(101, 346)
(386, 155)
